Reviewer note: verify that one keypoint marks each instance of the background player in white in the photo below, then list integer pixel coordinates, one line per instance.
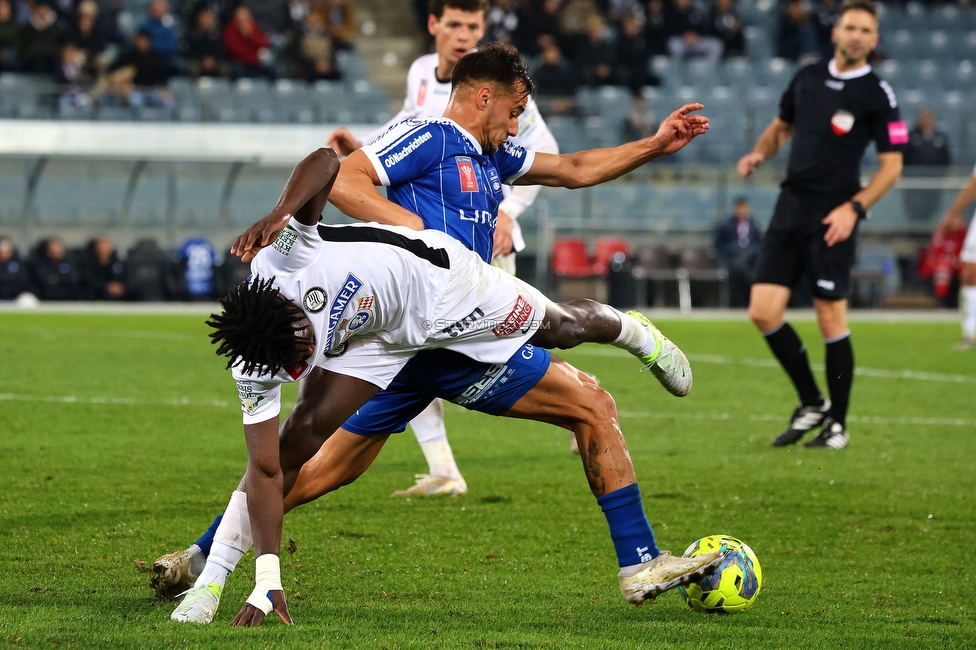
(457, 27)
(953, 218)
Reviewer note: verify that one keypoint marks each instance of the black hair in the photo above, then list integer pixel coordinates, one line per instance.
(858, 5)
(256, 327)
(497, 63)
(436, 7)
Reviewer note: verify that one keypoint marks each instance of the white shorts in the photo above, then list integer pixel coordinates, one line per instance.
(486, 314)
(968, 253)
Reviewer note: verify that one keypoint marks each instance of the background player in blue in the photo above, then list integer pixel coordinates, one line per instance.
(832, 110)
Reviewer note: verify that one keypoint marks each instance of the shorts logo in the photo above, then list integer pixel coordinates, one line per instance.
(295, 370)
(286, 239)
(826, 284)
(469, 182)
(349, 289)
(421, 93)
(314, 300)
(454, 329)
(516, 319)
(842, 122)
(897, 133)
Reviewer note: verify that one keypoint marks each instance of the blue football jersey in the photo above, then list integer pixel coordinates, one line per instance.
(437, 170)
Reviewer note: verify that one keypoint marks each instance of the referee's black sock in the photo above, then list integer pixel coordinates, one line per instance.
(792, 355)
(839, 365)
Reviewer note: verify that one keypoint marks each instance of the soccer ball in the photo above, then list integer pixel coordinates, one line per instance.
(734, 585)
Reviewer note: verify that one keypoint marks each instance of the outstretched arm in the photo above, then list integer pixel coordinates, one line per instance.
(769, 143)
(596, 166)
(303, 197)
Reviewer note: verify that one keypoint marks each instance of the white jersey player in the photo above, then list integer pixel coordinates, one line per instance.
(384, 293)
(953, 220)
(457, 26)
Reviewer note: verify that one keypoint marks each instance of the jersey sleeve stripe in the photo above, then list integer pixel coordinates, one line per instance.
(350, 234)
(377, 165)
(526, 166)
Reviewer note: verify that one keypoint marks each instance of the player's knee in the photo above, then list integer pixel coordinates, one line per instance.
(762, 317)
(594, 405)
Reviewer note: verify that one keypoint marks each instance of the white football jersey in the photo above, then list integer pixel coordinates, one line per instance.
(375, 295)
(427, 96)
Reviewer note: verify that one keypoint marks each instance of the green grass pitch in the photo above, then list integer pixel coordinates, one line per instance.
(120, 439)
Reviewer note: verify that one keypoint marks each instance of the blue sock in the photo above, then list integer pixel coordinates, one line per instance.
(206, 541)
(629, 528)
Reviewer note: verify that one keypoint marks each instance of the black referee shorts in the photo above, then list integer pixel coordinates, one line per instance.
(794, 246)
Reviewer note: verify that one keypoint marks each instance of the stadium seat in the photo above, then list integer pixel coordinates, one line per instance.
(601, 132)
(154, 113)
(653, 270)
(72, 112)
(606, 248)
(937, 45)
(738, 74)
(570, 258)
(114, 114)
(701, 73)
(900, 45)
(147, 269)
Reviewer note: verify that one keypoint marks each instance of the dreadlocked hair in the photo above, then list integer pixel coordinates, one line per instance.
(256, 327)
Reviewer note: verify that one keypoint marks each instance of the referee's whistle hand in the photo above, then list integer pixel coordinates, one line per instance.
(840, 224)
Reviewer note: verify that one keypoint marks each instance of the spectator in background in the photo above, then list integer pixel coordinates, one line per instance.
(76, 75)
(248, 48)
(594, 56)
(86, 35)
(273, 18)
(39, 41)
(634, 54)
(222, 10)
(14, 276)
(555, 82)
(689, 35)
(798, 37)
(926, 155)
(340, 22)
(618, 10)
(503, 23)
(737, 242)
(197, 260)
(640, 124)
(314, 53)
(725, 24)
(656, 28)
(137, 74)
(103, 271)
(576, 15)
(545, 26)
(8, 37)
(203, 47)
(161, 28)
(55, 276)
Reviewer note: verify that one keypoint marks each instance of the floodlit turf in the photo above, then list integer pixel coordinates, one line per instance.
(121, 439)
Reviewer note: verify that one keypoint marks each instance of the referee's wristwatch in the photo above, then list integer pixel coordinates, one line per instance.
(859, 209)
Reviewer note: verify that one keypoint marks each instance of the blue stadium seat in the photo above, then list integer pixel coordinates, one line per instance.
(602, 132)
(891, 71)
(958, 75)
(775, 73)
(568, 133)
(82, 191)
(72, 112)
(759, 42)
(738, 73)
(154, 113)
(114, 114)
(965, 44)
(947, 17)
(352, 66)
(667, 70)
(188, 110)
(925, 74)
(701, 73)
(936, 45)
(899, 45)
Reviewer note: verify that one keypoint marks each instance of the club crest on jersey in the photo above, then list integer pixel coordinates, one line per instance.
(314, 300)
(469, 182)
(360, 319)
(349, 289)
(842, 122)
(365, 303)
(496, 183)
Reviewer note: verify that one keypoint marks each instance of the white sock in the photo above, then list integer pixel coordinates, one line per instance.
(231, 541)
(634, 337)
(431, 433)
(969, 312)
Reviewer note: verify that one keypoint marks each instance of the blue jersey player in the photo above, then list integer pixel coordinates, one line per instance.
(489, 94)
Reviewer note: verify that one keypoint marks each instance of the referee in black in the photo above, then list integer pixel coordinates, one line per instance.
(833, 110)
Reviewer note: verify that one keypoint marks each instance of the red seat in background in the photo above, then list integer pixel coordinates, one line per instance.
(570, 259)
(606, 248)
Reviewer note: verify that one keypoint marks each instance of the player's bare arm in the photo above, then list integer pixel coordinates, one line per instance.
(966, 196)
(343, 141)
(503, 235)
(842, 219)
(304, 196)
(768, 145)
(596, 166)
(355, 194)
(265, 492)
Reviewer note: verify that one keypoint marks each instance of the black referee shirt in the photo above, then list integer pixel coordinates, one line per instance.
(835, 116)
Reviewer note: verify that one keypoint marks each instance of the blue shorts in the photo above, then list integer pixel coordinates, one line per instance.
(488, 388)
